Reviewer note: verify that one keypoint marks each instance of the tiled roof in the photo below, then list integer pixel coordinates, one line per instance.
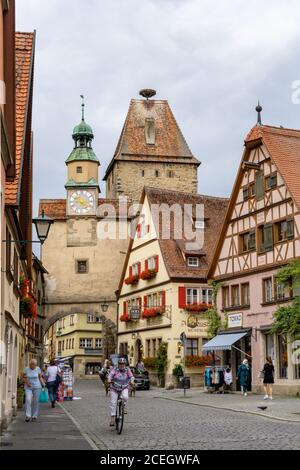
(172, 249)
(24, 44)
(56, 208)
(284, 148)
(169, 141)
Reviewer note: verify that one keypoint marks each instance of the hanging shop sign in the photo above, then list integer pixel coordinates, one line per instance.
(135, 313)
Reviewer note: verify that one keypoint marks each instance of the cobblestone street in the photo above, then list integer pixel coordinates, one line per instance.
(154, 422)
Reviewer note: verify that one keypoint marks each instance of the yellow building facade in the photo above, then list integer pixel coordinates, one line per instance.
(164, 291)
(78, 337)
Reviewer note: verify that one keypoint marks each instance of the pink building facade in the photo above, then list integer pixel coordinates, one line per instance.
(260, 235)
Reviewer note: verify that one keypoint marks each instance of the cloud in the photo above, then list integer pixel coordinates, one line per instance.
(211, 60)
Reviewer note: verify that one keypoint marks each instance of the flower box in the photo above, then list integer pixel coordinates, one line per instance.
(198, 361)
(132, 280)
(197, 307)
(125, 317)
(148, 274)
(151, 312)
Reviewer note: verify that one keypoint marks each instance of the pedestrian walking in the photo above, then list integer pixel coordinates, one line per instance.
(33, 386)
(53, 381)
(244, 376)
(44, 373)
(140, 366)
(268, 372)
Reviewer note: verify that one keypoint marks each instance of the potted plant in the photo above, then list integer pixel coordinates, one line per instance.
(178, 372)
(161, 363)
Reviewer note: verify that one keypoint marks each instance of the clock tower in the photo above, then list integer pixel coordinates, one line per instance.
(82, 185)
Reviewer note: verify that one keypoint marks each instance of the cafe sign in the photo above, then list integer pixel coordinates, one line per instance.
(135, 313)
(235, 319)
(198, 325)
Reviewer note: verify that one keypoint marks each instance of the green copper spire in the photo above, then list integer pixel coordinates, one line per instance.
(82, 129)
(83, 136)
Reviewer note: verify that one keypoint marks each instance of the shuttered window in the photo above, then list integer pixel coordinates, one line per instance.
(267, 237)
(290, 229)
(259, 185)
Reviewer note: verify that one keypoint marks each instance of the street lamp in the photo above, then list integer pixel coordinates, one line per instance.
(42, 226)
(104, 306)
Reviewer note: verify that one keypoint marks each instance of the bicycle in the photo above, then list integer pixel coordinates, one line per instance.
(120, 411)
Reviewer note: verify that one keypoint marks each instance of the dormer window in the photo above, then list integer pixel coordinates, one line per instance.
(150, 131)
(193, 261)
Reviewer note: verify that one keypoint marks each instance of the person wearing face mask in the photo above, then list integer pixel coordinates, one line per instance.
(119, 379)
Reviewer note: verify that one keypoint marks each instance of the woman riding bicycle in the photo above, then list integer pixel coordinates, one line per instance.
(119, 379)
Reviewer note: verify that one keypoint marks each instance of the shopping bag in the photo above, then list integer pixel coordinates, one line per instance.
(44, 396)
(261, 375)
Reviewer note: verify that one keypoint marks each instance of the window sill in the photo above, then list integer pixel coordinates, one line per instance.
(247, 251)
(235, 307)
(277, 301)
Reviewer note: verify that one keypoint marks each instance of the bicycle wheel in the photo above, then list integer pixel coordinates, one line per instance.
(119, 416)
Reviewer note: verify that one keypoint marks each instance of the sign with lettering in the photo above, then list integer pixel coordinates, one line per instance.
(135, 313)
(235, 319)
(193, 321)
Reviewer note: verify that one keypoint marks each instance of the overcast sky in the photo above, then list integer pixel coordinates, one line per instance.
(211, 60)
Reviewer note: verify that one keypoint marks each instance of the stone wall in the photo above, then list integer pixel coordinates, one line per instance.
(126, 178)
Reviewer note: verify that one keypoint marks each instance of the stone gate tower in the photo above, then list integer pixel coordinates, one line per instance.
(151, 152)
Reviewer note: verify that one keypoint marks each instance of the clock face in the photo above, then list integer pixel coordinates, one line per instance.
(81, 201)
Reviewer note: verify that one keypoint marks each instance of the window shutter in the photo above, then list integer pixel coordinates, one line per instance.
(245, 193)
(138, 230)
(181, 297)
(156, 263)
(268, 236)
(139, 269)
(147, 228)
(146, 265)
(145, 301)
(259, 185)
(130, 270)
(251, 240)
(163, 298)
(140, 302)
(124, 308)
(290, 228)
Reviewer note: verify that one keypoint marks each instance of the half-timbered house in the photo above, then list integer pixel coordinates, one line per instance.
(260, 234)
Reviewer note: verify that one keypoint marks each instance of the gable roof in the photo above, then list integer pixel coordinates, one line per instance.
(170, 145)
(24, 49)
(283, 146)
(173, 250)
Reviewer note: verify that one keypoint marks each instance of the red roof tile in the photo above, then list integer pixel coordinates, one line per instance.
(173, 250)
(284, 148)
(56, 208)
(169, 141)
(24, 44)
